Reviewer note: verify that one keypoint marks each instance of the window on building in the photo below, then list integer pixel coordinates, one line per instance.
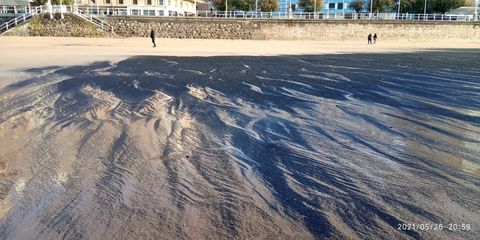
(161, 2)
(135, 2)
(120, 1)
(331, 5)
(107, 1)
(93, 1)
(149, 12)
(339, 5)
(149, 2)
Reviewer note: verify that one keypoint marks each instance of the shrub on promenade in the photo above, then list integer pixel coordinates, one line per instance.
(443, 6)
(412, 6)
(381, 5)
(220, 4)
(433, 6)
(268, 5)
(307, 5)
(244, 5)
(357, 5)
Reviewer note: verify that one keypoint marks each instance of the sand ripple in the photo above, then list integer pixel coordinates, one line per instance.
(287, 147)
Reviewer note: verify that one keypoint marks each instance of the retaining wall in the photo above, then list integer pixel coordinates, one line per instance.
(73, 26)
(291, 29)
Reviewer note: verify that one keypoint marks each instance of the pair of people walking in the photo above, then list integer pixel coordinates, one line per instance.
(369, 38)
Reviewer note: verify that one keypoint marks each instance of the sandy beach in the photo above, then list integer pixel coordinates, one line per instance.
(46, 51)
(221, 139)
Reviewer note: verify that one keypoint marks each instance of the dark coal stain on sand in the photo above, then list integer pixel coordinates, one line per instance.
(328, 146)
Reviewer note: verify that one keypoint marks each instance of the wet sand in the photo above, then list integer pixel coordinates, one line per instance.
(209, 139)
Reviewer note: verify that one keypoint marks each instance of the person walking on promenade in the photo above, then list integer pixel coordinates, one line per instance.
(369, 38)
(152, 36)
(375, 38)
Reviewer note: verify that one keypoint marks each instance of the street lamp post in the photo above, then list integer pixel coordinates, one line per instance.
(475, 15)
(50, 9)
(226, 8)
(195, 7)
(256, 7)
(399, 4)
(371, 8)
(425, 10)
(61, 9)
(290, 10)
(315, 9)
(287, 4)
(75, 6)
(328, 9)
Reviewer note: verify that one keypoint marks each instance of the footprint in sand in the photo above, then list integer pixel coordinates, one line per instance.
(5, 173)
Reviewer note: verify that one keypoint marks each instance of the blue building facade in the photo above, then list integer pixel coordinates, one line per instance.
(328, 6)
(340, 6)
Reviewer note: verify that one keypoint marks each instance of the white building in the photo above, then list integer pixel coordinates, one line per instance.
(140, 7)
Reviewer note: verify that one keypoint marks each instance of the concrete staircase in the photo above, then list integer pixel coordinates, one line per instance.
(4, 27)
(95, 21)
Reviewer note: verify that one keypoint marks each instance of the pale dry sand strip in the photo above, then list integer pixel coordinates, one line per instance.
(24, 52)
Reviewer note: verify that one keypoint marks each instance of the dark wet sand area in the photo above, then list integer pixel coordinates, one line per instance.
(244, 147)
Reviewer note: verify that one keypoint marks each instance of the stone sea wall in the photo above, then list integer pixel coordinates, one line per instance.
(181, 28)
(291, 29)
(202, 28)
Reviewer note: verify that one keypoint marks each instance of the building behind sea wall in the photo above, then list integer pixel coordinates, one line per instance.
(292, 29)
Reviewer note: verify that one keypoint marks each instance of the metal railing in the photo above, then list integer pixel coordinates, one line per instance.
(335, 16)
(20, 19)
(92, 19)
(88, 12)
(160, 12)
(80, 12)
